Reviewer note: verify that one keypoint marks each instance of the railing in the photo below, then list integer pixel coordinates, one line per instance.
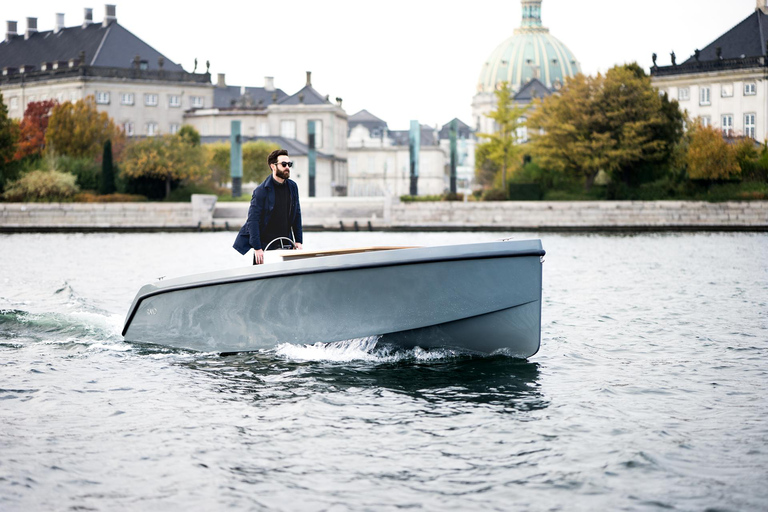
(709, 65)
(14, 76)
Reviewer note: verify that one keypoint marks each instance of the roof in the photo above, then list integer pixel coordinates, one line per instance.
(110, 46)
(746, 39)
(402, 137)
(307, 95)
(293, 146)
(464, 131)
(369, 121)
(230, 96)
(533, 89)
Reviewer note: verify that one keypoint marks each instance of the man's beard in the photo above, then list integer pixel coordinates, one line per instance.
(283, 174)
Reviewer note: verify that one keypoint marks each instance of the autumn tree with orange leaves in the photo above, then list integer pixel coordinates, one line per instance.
(33, 127)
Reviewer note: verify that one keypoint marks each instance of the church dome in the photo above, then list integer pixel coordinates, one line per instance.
(532, 52)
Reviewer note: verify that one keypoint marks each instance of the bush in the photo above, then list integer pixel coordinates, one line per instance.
(184, 194)
(42, 186)
(87, 172)
(90, 197)
(494, 194)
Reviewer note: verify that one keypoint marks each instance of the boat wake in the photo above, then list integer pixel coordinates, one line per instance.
(368, 349)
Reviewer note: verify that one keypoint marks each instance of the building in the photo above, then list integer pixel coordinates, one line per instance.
(724, 84)
(268, 113)
(141, 89)
(533, 62)
(379, 158)
(147, 94)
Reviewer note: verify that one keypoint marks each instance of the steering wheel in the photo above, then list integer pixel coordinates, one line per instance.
(282, 238)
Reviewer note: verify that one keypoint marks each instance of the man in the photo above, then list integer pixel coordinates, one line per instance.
(274, 211)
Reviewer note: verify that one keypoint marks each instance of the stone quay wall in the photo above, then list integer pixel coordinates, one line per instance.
(379, 213)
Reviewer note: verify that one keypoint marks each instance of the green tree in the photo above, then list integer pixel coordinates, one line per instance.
(80, 130)
(217, 162)
(709, 157)
(189, 135)
(255, 154)
(502, 147)
(168, 157)
(107, 183)
(9, 137)
(613, 123)
(255, 168)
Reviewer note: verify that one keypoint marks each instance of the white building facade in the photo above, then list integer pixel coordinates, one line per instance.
(724, 85)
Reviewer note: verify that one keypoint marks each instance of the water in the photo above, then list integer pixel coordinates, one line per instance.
(649, 391)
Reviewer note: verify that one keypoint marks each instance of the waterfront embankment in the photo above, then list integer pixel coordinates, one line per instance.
(381, 213)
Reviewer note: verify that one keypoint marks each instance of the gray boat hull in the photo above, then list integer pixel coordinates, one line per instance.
(476, 297)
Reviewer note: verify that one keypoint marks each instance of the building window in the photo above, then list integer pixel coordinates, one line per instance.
(749, 125)
(45, 97)
(150, 100)
(288, 129)
(102, 98)
(318, 133)
(73, 96)
(726, 90)
(705, 96)
(683, 94)
(151, 129)
(750, 89)
(14, 103)
(706, 121)
(263, 129)
(174, 101)
(60, 97)
(128, 128)
(127, 98)
(196, 101)
(174, 128)
(727, 124)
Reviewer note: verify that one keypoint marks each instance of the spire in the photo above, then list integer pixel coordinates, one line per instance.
(531, 17)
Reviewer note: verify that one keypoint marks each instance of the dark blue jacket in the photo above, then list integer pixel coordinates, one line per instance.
(262, 204)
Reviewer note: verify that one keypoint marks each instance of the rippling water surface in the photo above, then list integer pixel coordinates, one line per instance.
(649, 391)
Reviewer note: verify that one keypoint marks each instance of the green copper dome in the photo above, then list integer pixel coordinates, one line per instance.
(532, 52)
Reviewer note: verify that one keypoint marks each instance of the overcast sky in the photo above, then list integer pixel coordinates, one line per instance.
(399, 59)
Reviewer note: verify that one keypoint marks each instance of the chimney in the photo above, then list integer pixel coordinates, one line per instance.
(10, 30)
(88, 17)
(31, 27)
(269, 83)
(221, 82)
(59, 22)
(110, 15)
(309, 78)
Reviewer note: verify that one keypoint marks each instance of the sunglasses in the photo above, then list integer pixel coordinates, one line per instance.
(285, 164)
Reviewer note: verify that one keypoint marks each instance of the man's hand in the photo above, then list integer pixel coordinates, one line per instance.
(297, 245)
(259, 256)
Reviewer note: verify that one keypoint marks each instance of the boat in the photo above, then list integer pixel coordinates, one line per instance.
(480, 297)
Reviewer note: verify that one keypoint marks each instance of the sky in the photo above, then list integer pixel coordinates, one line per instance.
(399, 59)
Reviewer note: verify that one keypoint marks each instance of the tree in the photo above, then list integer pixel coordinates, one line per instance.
(189, 135)
(255, 168)
(168, 157)
(614, 123)
(709, 157)
(255, 154)
(9, 135)
(33, 127)
(501, 147)
(107, 183)
(80, 130)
